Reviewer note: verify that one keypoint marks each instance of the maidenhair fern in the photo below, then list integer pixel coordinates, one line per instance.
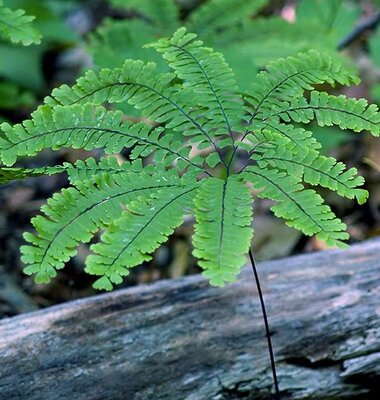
(193, 124)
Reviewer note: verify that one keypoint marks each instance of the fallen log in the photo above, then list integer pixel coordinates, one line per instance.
(183, 340)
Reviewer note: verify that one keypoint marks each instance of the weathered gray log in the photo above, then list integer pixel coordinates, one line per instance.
(182, 339)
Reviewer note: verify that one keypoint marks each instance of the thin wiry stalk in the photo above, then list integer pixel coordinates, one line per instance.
(267, 331)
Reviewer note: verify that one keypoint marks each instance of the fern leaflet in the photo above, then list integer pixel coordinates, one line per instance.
(17, 27)
(329, 110)
(317, 170)
(223, 211)
(131, 239)
(77, 213)
(208, 74)
(288, 78)
(301, 208)
(89, 127)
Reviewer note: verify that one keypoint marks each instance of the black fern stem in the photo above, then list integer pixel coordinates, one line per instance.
(267, 331)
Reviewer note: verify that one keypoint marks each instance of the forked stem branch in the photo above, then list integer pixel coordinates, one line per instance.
(267, 331)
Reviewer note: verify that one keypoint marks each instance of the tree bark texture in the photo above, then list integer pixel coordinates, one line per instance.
(184, 340)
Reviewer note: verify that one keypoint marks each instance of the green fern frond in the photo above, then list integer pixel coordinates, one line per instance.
(162, 14)
(12, 174)
(208, 75)
(107, 43)
(88, 169)
(316, 170)
(17, 27)
(132, 238)
(79, 171)
(333, 18)
(329, 110)
(215, 15)
(256, 141)
(89, 127)
(135, 82)
(223, 231)
(139, 85)
(77, 213)
(301, 208)
(287, 79)
(299, 137)
(256, 33)
(277, 136)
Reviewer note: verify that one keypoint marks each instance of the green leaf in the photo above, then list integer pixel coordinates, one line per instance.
(17, 27)
(77, 213)
(140, 230)
(317, 170)
(162, 14)
(209, 76)
(88, 169)
(223, 231)
(107, 43)
(287, 79)
(301, 208)
(89, 127)
(329, 110)
(139, 85)
(298, 137)
(334, 18)
(103, 283)
(11, 174)
(214, 16)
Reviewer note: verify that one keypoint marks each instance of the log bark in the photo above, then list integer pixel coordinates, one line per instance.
(183, 340)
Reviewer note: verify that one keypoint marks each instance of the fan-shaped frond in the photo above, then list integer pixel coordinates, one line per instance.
(132, 238)
(301, 208)
(208, 75)
(317, 170)
(17, 27)
(74, 215)
(287, 78)
(223, 231)
(89, 127)
(329, 110)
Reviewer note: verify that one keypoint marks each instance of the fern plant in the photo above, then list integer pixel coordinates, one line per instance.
(194, 122)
